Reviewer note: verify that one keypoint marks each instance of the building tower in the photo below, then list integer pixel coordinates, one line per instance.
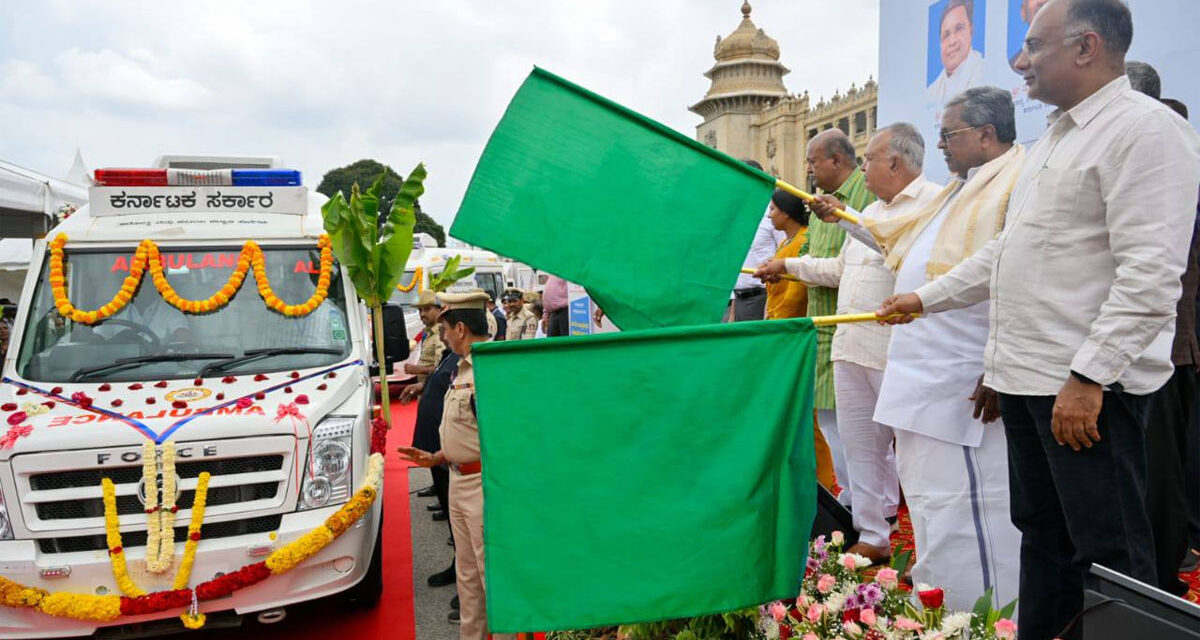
(746, 78)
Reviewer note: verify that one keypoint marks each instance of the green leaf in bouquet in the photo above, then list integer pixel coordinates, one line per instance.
(983, 606)
(900, 559)
(1008, 609)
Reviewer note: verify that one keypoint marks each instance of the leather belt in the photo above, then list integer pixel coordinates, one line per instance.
(750, 293)
(467, 468)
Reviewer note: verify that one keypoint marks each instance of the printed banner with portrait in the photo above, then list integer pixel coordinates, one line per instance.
(931, 50)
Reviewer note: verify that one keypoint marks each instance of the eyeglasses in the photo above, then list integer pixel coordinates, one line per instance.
(1033, 45)
(946, 135)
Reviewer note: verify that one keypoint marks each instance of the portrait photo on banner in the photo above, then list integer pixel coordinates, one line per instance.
(956, 48)
(1020, 15)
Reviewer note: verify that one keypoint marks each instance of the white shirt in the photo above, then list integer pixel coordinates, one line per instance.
(766, 240)
(1086, 273)
(968, 74)
(862, 279)
(934, 363)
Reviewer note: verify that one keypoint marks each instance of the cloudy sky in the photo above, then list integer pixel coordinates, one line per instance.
(322, 84)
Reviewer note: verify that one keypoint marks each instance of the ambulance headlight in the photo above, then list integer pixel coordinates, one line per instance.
(329, 471)
(6, 532)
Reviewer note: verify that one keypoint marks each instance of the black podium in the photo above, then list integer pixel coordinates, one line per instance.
(1117, 607)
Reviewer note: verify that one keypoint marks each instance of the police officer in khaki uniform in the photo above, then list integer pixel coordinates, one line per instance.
(463, 322)
(522, 325)
(431, 345)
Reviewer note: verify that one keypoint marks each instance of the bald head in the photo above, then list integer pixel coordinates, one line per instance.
(831, 159)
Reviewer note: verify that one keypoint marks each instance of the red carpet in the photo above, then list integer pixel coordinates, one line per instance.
(393, 619)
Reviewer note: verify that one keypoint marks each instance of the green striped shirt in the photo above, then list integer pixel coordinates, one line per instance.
(825, 241)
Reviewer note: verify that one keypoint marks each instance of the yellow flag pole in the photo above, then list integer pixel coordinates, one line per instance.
(808, 197)
(822, 321)
(782, 276)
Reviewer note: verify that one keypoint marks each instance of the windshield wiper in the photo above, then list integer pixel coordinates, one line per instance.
(258, 354)
(162, 357)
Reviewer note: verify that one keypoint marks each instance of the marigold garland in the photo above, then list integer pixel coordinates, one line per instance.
(89, 607)
(415, 281)
(193, 540)
(112, 532)
(147, 255)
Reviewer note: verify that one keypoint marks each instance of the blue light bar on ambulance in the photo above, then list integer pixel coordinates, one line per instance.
(195, 177)
(266, 178)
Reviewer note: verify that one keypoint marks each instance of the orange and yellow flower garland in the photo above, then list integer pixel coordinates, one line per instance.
(107, 608)
(147, 254)
(415, 281)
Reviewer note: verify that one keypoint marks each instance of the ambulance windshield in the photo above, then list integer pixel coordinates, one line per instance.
(151, 340)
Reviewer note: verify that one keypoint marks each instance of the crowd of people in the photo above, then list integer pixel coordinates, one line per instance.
(1039, 416)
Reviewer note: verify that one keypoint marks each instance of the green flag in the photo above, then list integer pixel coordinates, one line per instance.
(656, 474)
(653, 223)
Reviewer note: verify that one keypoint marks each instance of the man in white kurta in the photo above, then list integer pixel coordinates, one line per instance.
(953, 467)
(894, 157)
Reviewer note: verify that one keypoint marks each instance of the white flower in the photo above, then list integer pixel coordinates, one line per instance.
(34, 409)
(861, 562)
(955, 622)
(837, 538)
(836, 601)
(921, 586)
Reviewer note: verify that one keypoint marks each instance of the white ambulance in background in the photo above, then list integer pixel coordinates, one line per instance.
(225, 386)
(426, 261)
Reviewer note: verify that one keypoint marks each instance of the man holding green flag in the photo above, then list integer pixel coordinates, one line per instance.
(833, 167)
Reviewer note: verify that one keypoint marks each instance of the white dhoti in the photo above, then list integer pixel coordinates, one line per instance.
(958, 499)
(827, 420)
(953, 469)
(870, 460)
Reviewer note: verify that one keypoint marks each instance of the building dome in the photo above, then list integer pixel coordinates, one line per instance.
(747, 41)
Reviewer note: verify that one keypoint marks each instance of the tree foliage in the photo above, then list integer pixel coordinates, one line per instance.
(365, 172)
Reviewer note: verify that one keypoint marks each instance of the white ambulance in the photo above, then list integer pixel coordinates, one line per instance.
(275, 407)
(427, 261)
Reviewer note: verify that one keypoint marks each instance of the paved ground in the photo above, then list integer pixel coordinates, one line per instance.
(430, 554)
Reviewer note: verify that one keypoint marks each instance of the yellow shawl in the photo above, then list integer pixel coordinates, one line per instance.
(974, 218)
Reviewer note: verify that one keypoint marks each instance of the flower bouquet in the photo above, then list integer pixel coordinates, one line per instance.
(839, 601)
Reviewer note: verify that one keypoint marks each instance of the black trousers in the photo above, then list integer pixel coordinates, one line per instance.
(559, 324)
(1167, 423)
(1075, 508)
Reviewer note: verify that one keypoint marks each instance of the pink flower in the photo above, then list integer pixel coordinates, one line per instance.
(815, 612)
(848, 562)
(888, 578)
(867, 617)
(853, 629)
(907, 624)
(1005, 629)
(825, 583)
(837, 538)
(811, 636)
(778, 611)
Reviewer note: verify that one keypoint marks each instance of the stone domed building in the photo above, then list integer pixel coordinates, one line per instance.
(749, 113)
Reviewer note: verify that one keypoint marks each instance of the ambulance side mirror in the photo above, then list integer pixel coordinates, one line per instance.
(395, 335)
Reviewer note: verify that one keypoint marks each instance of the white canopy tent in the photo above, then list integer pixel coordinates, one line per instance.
(28, 204)
(29, 200)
